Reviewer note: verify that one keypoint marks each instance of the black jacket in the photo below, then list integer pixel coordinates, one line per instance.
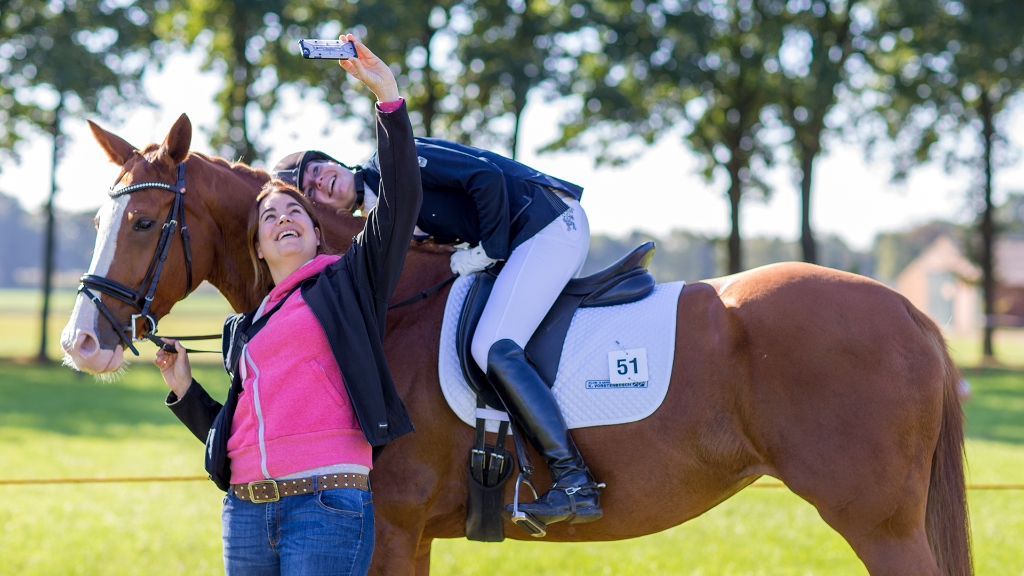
(350, 300)
(475, 196)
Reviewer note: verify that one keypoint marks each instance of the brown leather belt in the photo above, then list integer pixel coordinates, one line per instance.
(264, 491)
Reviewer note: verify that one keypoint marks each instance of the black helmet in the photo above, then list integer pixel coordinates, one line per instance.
(292, 168)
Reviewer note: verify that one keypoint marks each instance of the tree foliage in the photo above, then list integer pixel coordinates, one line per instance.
(949, 68)
(506, 49)
(60, 59)
(254, 45)
(655, 64)
(818, 39)
(70, 58)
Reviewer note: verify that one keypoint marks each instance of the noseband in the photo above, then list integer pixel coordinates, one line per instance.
(142, 298)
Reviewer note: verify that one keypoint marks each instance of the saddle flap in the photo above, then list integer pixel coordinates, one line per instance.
(472, 309)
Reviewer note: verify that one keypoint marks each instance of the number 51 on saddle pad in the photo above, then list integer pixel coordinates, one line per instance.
(627, 368)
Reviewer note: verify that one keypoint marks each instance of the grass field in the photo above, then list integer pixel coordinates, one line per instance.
(55, 423)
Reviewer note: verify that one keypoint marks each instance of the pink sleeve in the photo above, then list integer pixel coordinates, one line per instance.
(390, 106)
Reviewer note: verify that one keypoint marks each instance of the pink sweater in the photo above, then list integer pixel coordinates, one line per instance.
(294, 412)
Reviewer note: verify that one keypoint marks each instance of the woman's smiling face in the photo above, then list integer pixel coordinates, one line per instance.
(286, 231)
(330, 184)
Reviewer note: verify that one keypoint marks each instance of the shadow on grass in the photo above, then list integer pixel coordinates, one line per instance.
(995, 410)
(60, 400)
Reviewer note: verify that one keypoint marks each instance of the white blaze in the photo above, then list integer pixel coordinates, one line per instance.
(84, 315)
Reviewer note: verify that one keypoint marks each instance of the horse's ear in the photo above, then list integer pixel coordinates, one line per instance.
(175, 147)
(116, 148)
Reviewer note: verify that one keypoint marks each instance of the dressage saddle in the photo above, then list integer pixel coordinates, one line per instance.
(621, 283)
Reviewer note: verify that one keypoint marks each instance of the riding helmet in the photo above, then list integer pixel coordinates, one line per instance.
(291, 169)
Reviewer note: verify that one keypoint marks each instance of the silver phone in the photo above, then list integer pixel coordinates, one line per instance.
(327, 49)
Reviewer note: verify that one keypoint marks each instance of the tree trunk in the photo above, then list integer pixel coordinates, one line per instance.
(806, 234)
(48, 242)
(735, 193)
(514, 145)
(430, 104)
(988, 232)
(242, 77)
(519, 106)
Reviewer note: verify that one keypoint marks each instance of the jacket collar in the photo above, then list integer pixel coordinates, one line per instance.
(307, 270)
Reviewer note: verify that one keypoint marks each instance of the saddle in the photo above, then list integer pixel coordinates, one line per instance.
(624, 282)
(621, 283)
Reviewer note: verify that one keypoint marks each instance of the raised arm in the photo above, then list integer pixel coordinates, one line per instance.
(385, 238)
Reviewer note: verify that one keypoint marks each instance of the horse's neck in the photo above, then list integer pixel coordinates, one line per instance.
(227, 195)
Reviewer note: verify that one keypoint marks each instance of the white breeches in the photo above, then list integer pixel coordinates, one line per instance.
(533, 277)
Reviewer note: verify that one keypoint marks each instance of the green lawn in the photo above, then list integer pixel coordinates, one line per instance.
(54, 423)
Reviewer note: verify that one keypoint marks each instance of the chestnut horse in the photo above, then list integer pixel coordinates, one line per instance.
(830, 382)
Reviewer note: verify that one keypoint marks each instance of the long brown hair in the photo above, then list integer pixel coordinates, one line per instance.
(264, 281)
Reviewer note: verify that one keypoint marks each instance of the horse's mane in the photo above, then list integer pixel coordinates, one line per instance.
(240, 168)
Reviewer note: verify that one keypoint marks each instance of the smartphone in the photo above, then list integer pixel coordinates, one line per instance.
(327, 49)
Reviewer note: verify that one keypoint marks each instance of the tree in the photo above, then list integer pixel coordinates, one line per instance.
(819, 38)
(61, 60)
(951, 68)
(653, 64)
(509, 48)
(409, 39)
(254, 45)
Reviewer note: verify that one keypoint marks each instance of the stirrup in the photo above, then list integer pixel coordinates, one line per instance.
(527, 522)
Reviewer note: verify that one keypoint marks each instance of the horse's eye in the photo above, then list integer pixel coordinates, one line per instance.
(143, 225)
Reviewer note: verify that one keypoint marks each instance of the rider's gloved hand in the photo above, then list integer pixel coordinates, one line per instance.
(467, 261)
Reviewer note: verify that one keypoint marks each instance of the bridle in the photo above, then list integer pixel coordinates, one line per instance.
(142, 303)
(142, 299)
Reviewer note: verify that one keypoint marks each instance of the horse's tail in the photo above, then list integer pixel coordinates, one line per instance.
(946, 521)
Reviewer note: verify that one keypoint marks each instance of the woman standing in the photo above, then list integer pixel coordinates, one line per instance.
(311, 395)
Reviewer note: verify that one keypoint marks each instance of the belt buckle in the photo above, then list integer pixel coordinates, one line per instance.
(259, 499)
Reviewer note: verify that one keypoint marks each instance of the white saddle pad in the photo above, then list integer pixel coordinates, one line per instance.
(583, 386)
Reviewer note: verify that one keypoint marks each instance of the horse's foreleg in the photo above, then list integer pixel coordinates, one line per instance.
(423, 558)
(396, 550)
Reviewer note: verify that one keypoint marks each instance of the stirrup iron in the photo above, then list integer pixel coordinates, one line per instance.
(527, 522)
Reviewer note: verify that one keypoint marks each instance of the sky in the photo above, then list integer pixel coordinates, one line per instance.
(851, 198)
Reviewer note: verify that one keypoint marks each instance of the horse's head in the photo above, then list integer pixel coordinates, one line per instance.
(151, 250)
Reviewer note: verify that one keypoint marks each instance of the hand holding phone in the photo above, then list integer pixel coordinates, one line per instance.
(371, 70)
(327, 49)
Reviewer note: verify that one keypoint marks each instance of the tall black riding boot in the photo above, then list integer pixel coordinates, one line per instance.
(574, 495)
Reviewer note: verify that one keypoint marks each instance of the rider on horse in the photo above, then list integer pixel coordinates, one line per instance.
(506, 211)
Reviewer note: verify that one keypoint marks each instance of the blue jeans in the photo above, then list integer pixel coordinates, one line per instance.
(315, 534)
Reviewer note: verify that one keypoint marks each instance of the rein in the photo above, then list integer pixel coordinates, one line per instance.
(425, 293)
(142, 298)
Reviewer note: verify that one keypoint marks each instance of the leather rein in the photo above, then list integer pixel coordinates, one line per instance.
(142, 298)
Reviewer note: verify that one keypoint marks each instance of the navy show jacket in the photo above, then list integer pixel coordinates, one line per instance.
(476, 196)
